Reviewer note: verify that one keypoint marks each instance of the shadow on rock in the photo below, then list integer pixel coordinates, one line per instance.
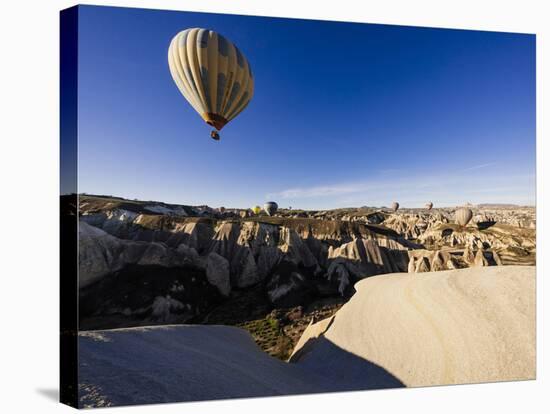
(194, 363)
(348, 371)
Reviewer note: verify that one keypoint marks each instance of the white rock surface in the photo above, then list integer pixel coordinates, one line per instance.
(188, 363)
(452, 327)
(217, 273)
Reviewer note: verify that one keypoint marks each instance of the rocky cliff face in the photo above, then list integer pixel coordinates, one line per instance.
(513, 245)
(146, 262)
(294, 260)
(498, 242)
(412, 226)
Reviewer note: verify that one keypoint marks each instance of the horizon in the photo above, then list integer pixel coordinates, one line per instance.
(342, 114)
(401, 207)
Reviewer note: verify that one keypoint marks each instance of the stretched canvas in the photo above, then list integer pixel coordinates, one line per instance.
(257, 206)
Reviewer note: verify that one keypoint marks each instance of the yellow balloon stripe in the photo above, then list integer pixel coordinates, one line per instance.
(196, 56)
(178, 73)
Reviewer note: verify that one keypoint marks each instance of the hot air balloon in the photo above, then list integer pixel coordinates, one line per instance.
(394, 206)
(222, 209)
(463, 216)
(270, 207)
(212, 74)
(256, 209)
(429, 205)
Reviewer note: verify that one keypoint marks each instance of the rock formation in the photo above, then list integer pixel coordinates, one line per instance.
(217, 273)
(453, 327)
(292, 258)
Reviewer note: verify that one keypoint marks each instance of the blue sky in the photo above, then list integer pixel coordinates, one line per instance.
(343, 114)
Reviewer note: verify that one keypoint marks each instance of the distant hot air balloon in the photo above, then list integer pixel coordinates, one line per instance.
(212, 74)
(222, 209)
(256, 209)
(463, 216)
(394, 206)
(270, 207)
(429, 205)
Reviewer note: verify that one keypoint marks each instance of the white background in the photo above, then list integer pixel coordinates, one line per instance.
(29, 122)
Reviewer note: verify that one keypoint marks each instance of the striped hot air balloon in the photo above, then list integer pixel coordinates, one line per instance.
(463, 216)
(212, 74)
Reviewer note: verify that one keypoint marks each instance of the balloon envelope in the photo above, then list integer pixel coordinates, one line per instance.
(394, 206)
(212, 74)
(463, 216)
(256, 209)
(270, 207)
(429, 205)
